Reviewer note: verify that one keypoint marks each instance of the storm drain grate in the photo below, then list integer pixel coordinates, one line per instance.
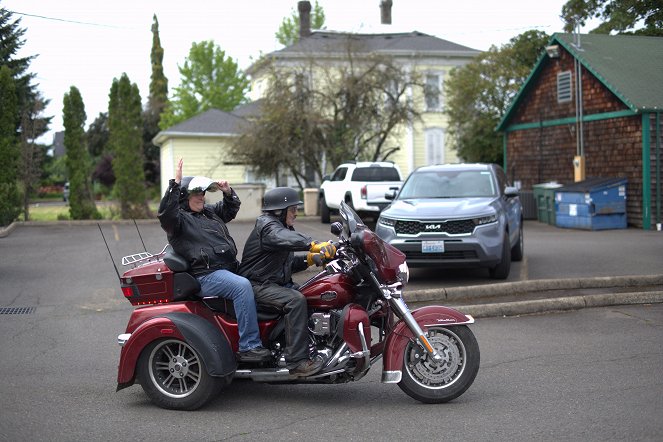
(17, 310)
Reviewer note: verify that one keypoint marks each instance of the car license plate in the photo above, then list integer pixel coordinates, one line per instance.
(432, 247)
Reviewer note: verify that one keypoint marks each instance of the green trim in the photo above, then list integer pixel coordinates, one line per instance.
(570, 120)
(504, 144)
(646, 172)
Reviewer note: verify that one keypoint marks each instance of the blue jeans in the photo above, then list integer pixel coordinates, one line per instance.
(225, 284)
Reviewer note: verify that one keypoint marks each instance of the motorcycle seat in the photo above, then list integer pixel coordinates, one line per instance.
(222, 305)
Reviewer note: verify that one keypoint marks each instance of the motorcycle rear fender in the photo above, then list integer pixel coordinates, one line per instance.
(200, 334)
(432, 315)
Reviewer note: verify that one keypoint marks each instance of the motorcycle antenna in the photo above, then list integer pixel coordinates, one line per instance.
(109, 252)
(139, 235)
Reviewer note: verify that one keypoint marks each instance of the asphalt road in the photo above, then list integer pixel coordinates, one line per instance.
(592, 374)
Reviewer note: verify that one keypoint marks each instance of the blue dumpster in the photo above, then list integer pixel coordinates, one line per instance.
(592, 204)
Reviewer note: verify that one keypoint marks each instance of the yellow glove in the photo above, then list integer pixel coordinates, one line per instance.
(313, 258)
(316, 246)
(328, 251)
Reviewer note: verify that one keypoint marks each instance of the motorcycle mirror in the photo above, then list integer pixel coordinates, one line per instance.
(336, 228)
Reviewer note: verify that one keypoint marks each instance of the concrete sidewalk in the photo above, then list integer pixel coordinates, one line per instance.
(530, 297)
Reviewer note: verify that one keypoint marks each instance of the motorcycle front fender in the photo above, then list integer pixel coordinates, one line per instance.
(428, 316)
(209, 343)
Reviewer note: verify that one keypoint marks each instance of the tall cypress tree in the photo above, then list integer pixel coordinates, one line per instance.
(81, 204)
(125, 141)
(9, 198)
(156, 103)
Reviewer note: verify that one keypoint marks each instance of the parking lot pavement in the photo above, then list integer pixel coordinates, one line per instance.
(562, 268)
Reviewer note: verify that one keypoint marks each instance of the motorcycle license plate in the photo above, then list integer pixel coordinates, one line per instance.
(432, 246)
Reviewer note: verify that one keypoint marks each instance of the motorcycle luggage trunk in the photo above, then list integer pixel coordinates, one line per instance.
(151, 283)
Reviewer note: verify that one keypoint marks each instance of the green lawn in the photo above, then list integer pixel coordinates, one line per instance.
(50, 212)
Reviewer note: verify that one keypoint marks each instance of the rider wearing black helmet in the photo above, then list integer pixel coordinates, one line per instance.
(268, 261)
(198, 232)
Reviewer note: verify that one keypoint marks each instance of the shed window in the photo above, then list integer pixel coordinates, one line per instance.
(564, 87)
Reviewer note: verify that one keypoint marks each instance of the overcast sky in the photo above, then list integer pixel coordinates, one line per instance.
(88, 43)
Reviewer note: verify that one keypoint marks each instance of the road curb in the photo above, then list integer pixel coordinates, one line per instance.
(559, 304)
(5, 231)
(524, 287)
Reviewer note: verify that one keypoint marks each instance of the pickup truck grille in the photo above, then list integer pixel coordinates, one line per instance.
(453, 227)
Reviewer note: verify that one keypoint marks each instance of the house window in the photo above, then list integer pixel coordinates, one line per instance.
(434, 146)
(564, 87)
(391, 94)
(433, 91)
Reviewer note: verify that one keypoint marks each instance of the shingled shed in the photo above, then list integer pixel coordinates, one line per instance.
(608, 127)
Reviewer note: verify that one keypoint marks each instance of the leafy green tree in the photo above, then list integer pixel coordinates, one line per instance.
(156, 103)
(209, 80)
(479, 94)
(126, 144)
(81, 204)
(305, 127)
(9, 198)
(641, 17)
(288, 33)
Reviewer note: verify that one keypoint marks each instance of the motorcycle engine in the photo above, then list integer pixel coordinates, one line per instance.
(320, 324)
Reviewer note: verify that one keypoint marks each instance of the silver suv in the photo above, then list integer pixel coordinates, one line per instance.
(456, 215)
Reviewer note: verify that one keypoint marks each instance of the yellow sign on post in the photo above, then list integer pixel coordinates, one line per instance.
(579, 168)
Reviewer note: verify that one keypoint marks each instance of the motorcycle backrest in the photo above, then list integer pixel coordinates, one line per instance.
(175, 262)
(185, 286)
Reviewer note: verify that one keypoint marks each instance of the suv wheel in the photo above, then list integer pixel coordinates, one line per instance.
(501, 270)
(324, 210)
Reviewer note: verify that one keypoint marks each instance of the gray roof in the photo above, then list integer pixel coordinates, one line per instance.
(629, 66)
(326, 42)
(211, 123)
(248, 110)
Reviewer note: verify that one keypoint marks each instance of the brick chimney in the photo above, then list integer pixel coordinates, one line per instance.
(304, 8)
(385, 11)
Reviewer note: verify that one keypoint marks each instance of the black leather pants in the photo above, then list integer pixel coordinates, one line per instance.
(292, 304)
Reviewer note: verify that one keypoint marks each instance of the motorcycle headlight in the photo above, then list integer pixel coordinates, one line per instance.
(404, 273)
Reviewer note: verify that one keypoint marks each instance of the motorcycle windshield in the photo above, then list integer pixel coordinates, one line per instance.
(386, 257)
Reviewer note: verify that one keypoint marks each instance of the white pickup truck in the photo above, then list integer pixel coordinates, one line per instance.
(362, 185)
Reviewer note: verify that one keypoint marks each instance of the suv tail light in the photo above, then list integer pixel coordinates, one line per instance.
(363, 192)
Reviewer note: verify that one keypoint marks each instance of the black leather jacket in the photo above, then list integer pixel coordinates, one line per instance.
(268, 253)
(202, 238)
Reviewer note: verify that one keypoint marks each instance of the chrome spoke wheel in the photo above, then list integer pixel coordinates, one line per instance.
(432, 381)
(432, 374)
(175, 368)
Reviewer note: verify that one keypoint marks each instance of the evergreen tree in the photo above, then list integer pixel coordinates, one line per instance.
(31, 154)
(156, 103)
(9, 197)
(81, 204)
(11, 41)
(125, 142)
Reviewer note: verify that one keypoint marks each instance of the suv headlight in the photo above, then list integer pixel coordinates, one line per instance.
(387, 222)
(485, 219)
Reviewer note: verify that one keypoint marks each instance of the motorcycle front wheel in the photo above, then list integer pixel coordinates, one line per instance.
(431, 382)
(173, 375)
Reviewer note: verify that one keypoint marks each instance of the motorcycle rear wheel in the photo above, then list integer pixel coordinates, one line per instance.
(174, 376)
(433, 383)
